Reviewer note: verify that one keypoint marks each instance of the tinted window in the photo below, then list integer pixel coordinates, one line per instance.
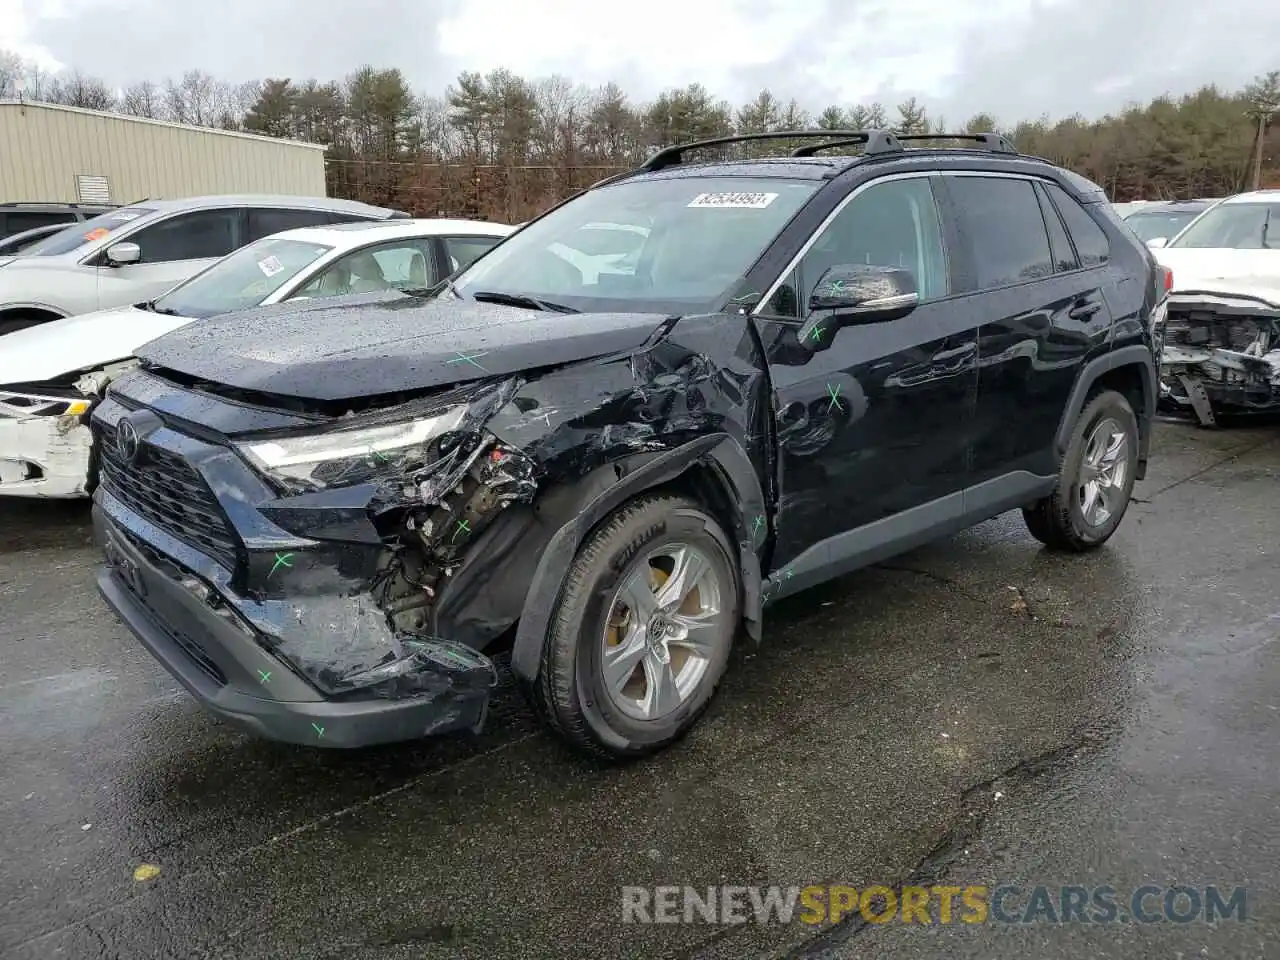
(891, 224)
(190, 236)
(1091, 242)
(264, 221)
(396, 265)
(1064, 258)
(244, 279)
(79, 234)
(29, 220)
(464, 251)
(1000, 217)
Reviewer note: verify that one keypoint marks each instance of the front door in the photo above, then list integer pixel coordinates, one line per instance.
(873, 421)
(173, 250)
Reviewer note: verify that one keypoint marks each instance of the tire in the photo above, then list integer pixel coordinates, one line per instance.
(571, 694)
(1059, 521)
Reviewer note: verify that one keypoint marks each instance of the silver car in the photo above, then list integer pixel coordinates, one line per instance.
(138, 252)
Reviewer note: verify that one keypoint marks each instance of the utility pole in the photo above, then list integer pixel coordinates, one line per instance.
(1257, 155)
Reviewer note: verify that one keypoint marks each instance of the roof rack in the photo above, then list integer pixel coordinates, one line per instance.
(672, 156)
(886, 141)
(875, 143)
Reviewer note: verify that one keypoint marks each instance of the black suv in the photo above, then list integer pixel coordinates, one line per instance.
(612, 456)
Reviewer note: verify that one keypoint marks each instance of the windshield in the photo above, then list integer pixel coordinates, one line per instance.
(1235, 226)
(242, 279)
(78, 234)
(1167, 224)
(673, 245)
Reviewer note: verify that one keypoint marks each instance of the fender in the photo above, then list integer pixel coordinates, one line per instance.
(31, 305)
(1136, 355)
(733, 469)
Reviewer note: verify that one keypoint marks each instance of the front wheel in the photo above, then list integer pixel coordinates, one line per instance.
(642, 632)
(1096, 480)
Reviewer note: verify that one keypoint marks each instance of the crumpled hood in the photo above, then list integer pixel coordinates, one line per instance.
(1252, 273)
(366, 346)
(83, 342)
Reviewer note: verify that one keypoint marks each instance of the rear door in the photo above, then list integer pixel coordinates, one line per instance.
(1041, 313)
(173, 249)
(265, 221)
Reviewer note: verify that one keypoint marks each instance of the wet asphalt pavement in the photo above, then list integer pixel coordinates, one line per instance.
(975, 712)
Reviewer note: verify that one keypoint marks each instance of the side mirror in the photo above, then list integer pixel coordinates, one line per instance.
(1157, 242)
(123, 253)
(859, 294)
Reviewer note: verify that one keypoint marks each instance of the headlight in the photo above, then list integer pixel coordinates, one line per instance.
(344, 457)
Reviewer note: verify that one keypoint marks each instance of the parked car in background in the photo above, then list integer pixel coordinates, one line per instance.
(1164, 220)
(324, 518)
(1221, 339)
(53, 373)
(138, 252)
(17, 242)
(15, 217)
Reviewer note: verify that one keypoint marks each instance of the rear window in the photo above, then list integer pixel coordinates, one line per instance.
(80, 234)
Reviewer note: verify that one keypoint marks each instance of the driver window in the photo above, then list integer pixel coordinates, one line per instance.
(892, 224)
(399, 265)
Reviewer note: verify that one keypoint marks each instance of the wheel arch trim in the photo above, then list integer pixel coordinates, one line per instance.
(1134, 355)
(732, 468)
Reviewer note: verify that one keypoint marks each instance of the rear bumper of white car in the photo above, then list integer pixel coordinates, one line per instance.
(44, 457)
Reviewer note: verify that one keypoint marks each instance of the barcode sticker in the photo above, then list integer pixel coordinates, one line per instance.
(734, 201)
(270, 266)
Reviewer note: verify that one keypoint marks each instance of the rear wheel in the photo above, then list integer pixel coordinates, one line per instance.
(1096, 480)
(642, 632)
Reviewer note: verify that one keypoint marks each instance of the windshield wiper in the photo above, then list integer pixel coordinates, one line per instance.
(1266, 227)
(521, 300)
(167, 311)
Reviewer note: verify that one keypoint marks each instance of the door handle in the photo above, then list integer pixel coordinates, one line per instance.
(1084, 308)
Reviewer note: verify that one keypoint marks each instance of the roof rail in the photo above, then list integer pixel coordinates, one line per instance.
(985, 141)
(876, 141)
(672, 156)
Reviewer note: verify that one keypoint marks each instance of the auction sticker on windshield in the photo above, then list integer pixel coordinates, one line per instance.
(734, 201)
(270, 266)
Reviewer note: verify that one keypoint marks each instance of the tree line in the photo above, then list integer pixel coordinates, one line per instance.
(504, 146)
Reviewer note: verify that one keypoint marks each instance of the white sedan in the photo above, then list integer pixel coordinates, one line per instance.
(52, 374)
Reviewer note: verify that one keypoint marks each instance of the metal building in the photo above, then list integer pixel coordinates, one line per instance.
(51, 152)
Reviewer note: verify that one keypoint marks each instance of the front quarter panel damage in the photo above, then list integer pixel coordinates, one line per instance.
(406, 568)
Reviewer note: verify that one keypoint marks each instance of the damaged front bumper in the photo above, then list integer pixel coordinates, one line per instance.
(1220, 353)
(46, 444)
(45, 456)
(214, 643)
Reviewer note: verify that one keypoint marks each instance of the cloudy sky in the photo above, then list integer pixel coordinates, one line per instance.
(1015, 58)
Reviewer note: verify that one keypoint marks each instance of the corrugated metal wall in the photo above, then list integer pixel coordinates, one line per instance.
(44, 148)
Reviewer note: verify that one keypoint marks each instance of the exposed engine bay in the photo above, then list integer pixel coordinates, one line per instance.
(1220, 354)
(457, 499)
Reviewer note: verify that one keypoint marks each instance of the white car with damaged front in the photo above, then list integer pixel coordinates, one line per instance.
(1220, 341)
(52, 374)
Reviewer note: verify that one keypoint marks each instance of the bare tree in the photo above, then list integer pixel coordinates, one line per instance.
(143, 99)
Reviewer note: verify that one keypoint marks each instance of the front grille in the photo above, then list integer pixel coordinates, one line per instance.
(167, 491)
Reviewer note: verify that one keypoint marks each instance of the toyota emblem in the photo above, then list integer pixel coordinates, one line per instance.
(127, 441)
